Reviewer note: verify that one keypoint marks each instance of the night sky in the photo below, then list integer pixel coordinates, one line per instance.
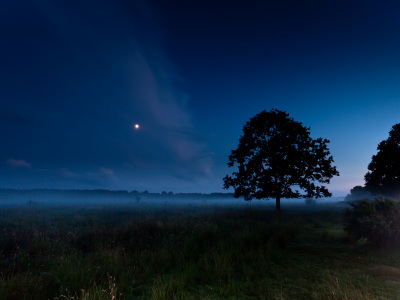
(76, 76)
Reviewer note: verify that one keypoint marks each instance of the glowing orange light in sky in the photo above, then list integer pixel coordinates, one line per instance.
(137, 126)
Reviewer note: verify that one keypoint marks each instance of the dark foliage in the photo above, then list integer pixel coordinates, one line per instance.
(383, 176)
(378, 221)
(275, 153)
(91, 196)
(358, 192)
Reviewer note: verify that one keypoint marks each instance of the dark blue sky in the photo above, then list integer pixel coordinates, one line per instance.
(76, 76)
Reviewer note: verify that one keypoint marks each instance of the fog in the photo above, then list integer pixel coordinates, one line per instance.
(166, 202)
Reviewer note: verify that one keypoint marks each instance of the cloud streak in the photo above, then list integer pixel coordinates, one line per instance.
(106, 171)
(18, 163)
(168, 121)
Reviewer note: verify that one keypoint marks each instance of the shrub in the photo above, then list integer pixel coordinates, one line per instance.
(376, 220)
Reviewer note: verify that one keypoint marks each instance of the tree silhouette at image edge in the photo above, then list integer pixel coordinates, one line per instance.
(275, 153)
(383, 176)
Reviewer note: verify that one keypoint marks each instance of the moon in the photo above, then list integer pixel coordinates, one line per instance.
(137, 126)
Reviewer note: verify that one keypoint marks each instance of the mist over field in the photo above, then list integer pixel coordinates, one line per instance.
(38, 197)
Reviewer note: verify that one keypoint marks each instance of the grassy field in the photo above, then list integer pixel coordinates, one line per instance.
(188, 252)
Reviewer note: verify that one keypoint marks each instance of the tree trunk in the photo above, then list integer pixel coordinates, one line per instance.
(278, 204)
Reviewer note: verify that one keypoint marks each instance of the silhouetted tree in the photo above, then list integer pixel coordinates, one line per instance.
(383, 176)
(358, 192)
(274, 153)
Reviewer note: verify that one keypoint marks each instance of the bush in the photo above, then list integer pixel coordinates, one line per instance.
(376, 220)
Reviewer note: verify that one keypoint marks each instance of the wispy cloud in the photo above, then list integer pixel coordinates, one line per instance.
(106, 171)
(18, 163)
(157, 93)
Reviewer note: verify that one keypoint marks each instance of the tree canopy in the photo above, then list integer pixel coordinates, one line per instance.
(383, 176)
(275, 153)
(358, 192)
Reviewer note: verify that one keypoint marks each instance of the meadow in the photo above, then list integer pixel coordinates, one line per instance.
(194, 251)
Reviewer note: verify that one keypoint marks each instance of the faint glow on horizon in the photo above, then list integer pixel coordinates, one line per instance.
(136, 126)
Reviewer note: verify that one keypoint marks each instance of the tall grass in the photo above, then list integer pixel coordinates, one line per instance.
(129, 253)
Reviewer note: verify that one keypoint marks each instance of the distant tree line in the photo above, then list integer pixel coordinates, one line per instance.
(57, 194)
